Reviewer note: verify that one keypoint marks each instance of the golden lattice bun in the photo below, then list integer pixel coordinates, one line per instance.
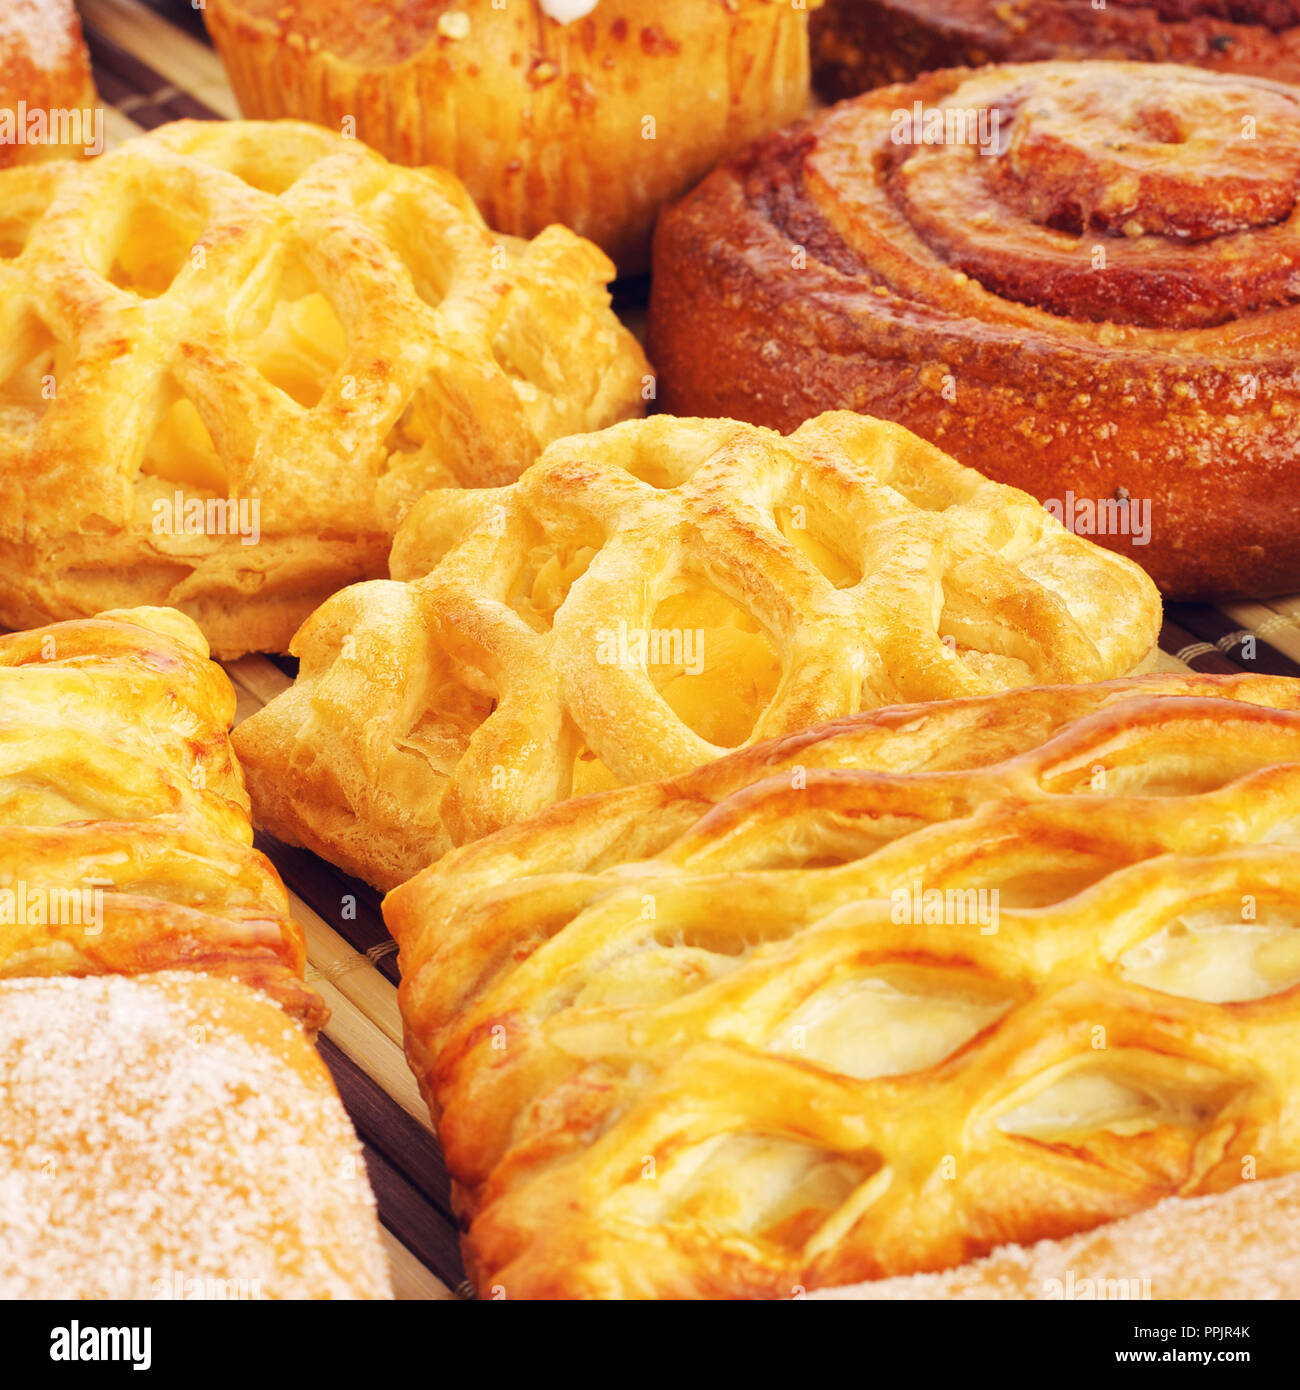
(647, 598)
(174, 1137)
(233, 354)
(590, 114)
(873, 999)
(125, 845)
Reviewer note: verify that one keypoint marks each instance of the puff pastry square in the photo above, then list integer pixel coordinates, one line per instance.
(233, 353)
(644, 600)
(125, 842)
(718, 1037)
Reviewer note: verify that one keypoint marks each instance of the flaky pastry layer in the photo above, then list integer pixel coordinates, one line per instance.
(125, 843)
(647, 598)
(871, 1000)
(233, 354)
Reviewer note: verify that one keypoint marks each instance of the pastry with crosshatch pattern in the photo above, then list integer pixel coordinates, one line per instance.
(717, 1036)
(125, 844)
(44, 79)
(647, 598)
(233, 354)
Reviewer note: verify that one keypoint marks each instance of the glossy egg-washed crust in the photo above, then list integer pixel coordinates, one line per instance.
(117, 779)
(268, 316)
(594, 124)
(612, 1007)
(1105, 307)
(44, 65)
(484, 682)
(859, 44)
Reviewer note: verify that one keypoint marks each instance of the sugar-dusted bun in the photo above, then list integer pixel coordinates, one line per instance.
(174, 1136)
(44, 72)
(554, 111)
(858, 44)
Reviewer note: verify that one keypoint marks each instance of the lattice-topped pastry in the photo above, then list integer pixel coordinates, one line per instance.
(232, 354)
(647, 598)
(125, 844)
(787, 1023)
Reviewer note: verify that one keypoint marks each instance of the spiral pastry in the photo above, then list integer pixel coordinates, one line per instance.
(859, 44)
(1079, 278)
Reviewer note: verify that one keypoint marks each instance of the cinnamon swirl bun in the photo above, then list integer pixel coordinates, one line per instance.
(1081, 279)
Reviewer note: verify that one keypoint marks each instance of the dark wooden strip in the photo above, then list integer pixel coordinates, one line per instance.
(380, 1121)
(182, 13)
(1210, 625)
(122, 78)
(113, 90)
(424, 1232)
(351, 907)
(1175, 639)
(284, 663)
(110, 57)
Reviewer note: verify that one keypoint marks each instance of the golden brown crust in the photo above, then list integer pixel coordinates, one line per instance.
(44, 68)
(594, 124)
(125, 845)
(859, 44)
(1141, 364)
(235, 354)
(647, 598)
(172, 1137)
(701, 1039)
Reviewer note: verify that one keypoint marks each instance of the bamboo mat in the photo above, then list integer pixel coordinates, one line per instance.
(153, 64)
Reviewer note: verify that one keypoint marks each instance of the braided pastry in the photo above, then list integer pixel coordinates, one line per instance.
(233, 354)
(647, 598)
(857, 44)
(168, 1137)
(125, 845)
(787, 1023)
(1110, 323)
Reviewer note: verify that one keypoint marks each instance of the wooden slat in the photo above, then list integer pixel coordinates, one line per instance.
(366, 1041)
(1275, 621)
(1221, 629)
(175, 59)
(411, 1280)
